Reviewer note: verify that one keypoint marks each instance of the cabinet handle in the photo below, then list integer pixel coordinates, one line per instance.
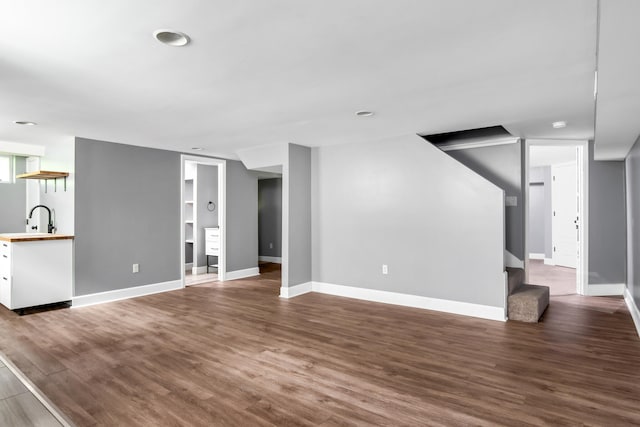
(4, 256)
(5, 278)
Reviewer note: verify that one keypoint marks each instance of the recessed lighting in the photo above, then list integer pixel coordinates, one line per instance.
(197, 148)
(559, 125)
(364, 113)
(23, 123)
(171, 38)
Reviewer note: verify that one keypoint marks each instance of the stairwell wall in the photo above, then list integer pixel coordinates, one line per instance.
(402, 202)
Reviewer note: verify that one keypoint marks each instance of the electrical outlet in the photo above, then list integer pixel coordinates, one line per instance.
(270, 245)
(136, 268)
(385, 269)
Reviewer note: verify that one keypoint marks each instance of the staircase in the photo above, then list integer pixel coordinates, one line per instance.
(525, 303)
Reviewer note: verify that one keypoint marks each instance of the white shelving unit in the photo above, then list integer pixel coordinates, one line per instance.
(189, 212)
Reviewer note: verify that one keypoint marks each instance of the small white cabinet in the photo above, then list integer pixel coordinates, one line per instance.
(212, 245)
(35, 272)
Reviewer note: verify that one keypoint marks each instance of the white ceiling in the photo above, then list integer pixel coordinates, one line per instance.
(259, 72)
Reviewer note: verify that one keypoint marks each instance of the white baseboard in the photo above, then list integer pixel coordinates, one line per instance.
(549, 261)
(126, 293)
(294, 291)
(455, 307)
(241, 274)
(607, 289)
(188, 266)
(536, 256)
(274, 259)
(510, 260)
(199, 270)
(633, 309)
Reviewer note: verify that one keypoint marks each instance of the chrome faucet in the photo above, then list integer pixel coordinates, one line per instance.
(50, 224)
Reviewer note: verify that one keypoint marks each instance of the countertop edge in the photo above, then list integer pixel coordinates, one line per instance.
(15, 239)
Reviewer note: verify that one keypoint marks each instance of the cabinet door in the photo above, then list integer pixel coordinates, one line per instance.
(5, 287)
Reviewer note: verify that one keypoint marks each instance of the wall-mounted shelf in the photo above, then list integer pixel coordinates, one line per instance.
(46, 175)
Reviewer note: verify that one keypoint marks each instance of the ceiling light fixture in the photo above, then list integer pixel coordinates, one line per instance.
(197, 148)
(24, 123)
(171, 38)
(364, 113)
(559, 125)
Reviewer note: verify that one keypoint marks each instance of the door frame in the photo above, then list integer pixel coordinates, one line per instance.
(582, 164)
(222, 211)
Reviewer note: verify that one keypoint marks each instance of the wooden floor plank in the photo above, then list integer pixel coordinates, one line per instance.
(234, 353)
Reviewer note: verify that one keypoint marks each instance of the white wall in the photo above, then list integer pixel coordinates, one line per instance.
(60, 157)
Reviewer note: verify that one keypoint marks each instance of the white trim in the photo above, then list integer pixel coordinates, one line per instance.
(188, 266)
(199, 270)
(477, 143)
(222, 210)
(241, 274)
(274, 259)
(35, 391)
(549, 261)
(510, 260)
(294, 291)
(633, 309)
(415, 301)
(605, 289)
(126, 293)
(536, 256)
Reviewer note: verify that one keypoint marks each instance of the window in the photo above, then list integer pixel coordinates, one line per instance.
(5, 169)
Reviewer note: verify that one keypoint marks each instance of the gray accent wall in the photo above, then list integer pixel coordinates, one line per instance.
(207, 187)
(270, 217)
(300, 268)
(242, 217)
(536, 211)
(404, 203)
(607, 221)
(13, 201)
(502, 165)
(632, 179)
(127, 210)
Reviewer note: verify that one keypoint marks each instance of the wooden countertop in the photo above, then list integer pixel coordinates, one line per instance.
(32, 237)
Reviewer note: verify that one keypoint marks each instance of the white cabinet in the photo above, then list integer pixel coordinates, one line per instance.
(35, 272)
(212, 245)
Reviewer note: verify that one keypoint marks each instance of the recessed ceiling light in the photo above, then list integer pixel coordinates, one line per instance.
(559, 125)
(364, 113)
(171, 38)
(197, 148)
(19, 122)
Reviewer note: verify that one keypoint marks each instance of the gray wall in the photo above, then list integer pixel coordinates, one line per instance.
(536, 211)
(270, 217)
(207, 186)
(607, 221)
(242, 217)
(13, 205)
(300, 269)
(540, 211)
(632, 179)
(127, 210)
(501, 164)
(402, 202)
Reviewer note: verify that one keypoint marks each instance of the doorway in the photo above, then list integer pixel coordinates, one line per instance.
(202, 219)
(556, 215)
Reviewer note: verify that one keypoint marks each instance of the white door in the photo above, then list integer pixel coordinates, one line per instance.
(564, 224)
(33, 197)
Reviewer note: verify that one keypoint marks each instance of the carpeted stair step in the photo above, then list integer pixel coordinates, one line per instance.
(528, 302)
(516, 278)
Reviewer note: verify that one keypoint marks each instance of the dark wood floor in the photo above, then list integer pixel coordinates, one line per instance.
(234, 353)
